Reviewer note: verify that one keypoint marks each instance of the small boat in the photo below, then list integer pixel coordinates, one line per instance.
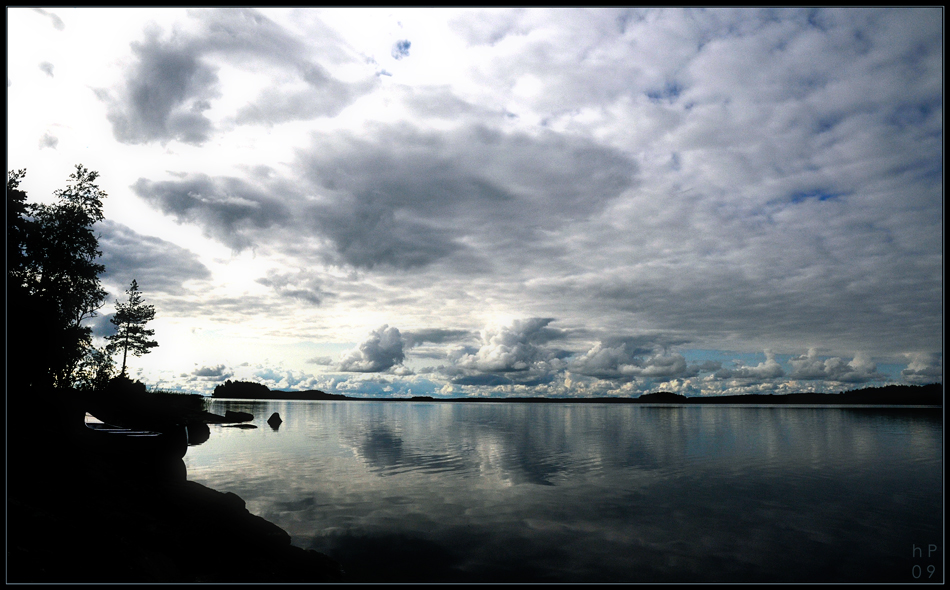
(134, 443)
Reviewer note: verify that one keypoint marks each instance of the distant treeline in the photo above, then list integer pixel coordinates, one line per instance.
(250, 390)
(898, 395)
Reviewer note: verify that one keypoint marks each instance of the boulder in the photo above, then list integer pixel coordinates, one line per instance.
(274, 420)
(230, 416)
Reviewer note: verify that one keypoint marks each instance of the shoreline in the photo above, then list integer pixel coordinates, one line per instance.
(83, 511)
(893, 396)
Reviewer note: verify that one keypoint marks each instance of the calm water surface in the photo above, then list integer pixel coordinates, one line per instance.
(502, 492)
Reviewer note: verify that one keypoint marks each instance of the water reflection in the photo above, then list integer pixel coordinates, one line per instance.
(521, 492)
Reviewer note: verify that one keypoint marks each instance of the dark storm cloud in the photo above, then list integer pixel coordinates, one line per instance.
(174, 80)
(229, 209)
(157, 265)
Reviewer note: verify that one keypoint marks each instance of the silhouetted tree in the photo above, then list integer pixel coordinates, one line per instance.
(52, 278)
(95, 370)
(130, 319)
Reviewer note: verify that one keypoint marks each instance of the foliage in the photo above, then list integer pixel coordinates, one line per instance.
(241, 389)
(53, 278)
(95, 370)
(130, 319)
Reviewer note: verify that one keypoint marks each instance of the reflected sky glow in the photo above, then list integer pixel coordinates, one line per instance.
(522, 492)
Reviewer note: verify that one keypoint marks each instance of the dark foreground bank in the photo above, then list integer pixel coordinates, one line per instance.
(78, 512)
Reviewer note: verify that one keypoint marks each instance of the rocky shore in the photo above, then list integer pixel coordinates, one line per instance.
(77, 515)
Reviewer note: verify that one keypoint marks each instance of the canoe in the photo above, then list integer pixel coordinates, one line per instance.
(134, 443)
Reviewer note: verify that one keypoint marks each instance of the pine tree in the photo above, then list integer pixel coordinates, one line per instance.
(130, 319)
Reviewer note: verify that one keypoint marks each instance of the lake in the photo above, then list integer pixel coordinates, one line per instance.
(520, 492)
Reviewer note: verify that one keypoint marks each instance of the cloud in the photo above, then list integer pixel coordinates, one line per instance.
(157, 265)
(924, 368)
(811, 367)
(165, 94)
(380, 351)
(217, 372)
(515, 347)
(628, 358)
(603, 361)
(434, 335)
(767, 370)
(56, 21)
(48, 141)
(401, 49)
(411, 206)
(173, 80)
(229, 209)
(301, 286)
(439, 195)
(733, 179)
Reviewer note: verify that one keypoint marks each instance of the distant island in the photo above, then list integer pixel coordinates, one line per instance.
(890, 395)
(250, 390)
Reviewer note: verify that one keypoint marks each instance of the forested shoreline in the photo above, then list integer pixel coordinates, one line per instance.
(896, 395)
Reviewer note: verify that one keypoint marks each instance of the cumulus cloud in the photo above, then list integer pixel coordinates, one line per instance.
(518, 346)
(812, 367)
(767, 370)
(924, 368)
(644, 356)
(382, 350)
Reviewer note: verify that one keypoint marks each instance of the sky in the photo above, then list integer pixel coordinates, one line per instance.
(503, 202)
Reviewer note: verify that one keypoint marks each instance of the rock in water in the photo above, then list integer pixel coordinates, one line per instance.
(274, 420)
(230, 416)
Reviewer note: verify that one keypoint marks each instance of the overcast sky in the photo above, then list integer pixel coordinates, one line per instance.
(569, 202)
